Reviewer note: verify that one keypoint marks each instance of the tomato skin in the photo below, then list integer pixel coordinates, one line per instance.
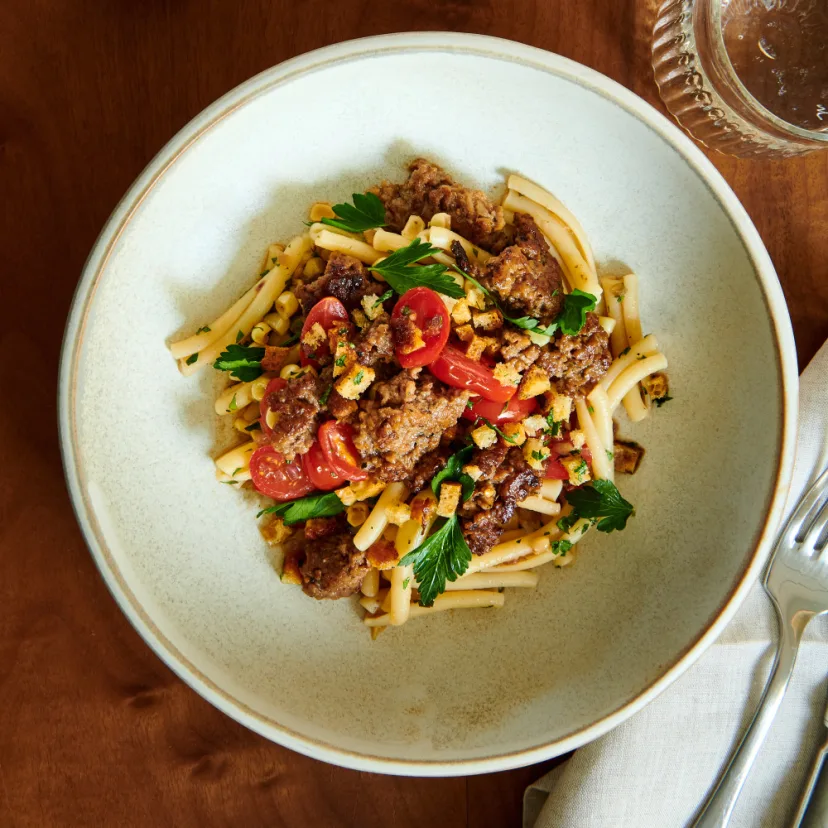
(319, 471)
(275, 384)
(516, 411)
(423, 304)
(326, 312)
(454, 368)
(555, 470)
(276, 478)
(336, 441)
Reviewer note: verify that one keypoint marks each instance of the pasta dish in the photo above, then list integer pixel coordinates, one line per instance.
(425, 385)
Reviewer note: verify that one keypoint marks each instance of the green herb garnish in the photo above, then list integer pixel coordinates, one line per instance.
(380, 299)
(561, 547)
(233, 406)
(305, 508)
(659, 401)
(494, 428)
(323, 397)
(601, 500)
(453, 471)
(402, 273)
(243, 362)
(205, 329)
(257, 426)
(192, 359)
(365, 213)
(443, 556)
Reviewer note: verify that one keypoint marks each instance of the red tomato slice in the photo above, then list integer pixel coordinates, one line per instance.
(337, 443)
(319, 471)
(515, 411)
(454, 368)
(327, 312)
(273, 476)
(264, 406)
(428, 312)
(555, 470)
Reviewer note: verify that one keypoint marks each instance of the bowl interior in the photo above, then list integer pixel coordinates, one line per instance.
(184, 553)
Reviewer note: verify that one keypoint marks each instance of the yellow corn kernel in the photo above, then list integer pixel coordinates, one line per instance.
(358, 513)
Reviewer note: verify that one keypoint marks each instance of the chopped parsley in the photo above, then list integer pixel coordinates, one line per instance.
(244, 363)
(340, 361)
(659, 401)
(453, 471)
(380, 299)
(231, 482)
(257, 426)
(538, 455)
(566, 523)
(359, 377)
(365, 213)
(233, 406)
(205, 329)
(610, 455)
(405, 310)
(323, 397)
(561, 547)
(239, 336)
(590, 409)
(305, 508)
(402, 273)
(600, 500)
(624, 352)
(443, 556)
(497, 431)
(236, 471)
(192, 359)
(554, 425)
(406, 582)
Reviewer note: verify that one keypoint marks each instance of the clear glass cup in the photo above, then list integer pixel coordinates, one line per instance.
(746, 77)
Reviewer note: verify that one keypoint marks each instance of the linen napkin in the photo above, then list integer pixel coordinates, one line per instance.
(657, 768)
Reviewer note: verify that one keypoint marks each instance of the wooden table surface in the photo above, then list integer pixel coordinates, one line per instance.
(94, 730)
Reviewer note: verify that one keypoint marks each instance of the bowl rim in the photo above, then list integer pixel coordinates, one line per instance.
(411, 42)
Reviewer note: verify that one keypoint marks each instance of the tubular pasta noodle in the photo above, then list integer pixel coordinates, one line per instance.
(267, 291)
(646, 347)
(372, 603)
(577, 270)
(540, 504)
(236, 458)
(607, 323)
(446, 601)
(370, 583)
(234, 398)
(336, 242)
(489, 580)
(602, 466)
(440, 220)
(400, 592)
(629, 307)
(370, 531)
(618, 335)
(387, 242)
(551, 489)
(511, 549)
(578, 530)
(630, 377)
(443, 237)
(545, 199)
(413, 227)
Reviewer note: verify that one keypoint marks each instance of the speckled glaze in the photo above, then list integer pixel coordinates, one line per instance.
(470, 691)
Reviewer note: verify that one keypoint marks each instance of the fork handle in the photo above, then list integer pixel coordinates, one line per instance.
(719, 805)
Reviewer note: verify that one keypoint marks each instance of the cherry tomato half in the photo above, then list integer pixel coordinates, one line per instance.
(273, 476)
(494, 412)
(275, 384)
(428, 312)
(337, 443)
(454, 368)
(319, 471)
(555, 470)
(327, 312)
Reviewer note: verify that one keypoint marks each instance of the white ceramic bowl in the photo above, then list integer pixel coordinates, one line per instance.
(477, 690)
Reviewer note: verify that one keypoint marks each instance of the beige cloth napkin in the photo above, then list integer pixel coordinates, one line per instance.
(655, 769)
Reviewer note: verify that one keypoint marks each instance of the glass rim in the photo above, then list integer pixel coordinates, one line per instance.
(775, 120)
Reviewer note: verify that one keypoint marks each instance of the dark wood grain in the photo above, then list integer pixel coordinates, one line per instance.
(94, 730)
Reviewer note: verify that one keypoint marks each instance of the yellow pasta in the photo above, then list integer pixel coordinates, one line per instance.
(371, 530)
(339, 243)
(446, 601)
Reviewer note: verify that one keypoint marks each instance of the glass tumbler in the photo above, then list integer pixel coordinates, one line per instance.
(746, 77)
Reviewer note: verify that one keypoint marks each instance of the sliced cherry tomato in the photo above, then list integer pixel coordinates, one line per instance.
(428, 312)
(494, 412)
(555, 470)
(319, 471)
(264, 406)
(454, 368)
(273, 476)
(337, 443)
(327, 312)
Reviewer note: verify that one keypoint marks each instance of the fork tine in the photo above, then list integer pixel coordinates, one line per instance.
(817, 535)
(807, 509)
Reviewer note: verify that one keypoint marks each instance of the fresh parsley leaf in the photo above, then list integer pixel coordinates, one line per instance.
(366, 212)
(305, 508)
(243, 362)
(192, 359)
(453, 470)
(323, 397)
(380, 299)
(291, 340)
(402, 273)
(205, 329)
(561, 547)
(601, 499)
(257, 426)
(554, 425)
(469, 404)
(443, 556)
(573, 315)
(659, 401)
(239, 336)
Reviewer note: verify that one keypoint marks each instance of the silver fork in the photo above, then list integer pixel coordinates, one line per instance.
(797, 582)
